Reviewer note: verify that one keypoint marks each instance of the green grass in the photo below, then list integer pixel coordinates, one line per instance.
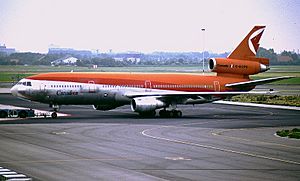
(12, 77)
(284, 68)
(278, 71)
(269, 99)
(294, 133)
(292, 81)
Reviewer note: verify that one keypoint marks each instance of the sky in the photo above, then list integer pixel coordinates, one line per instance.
(147, 25)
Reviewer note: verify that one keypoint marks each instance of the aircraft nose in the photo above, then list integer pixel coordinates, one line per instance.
(14, 90)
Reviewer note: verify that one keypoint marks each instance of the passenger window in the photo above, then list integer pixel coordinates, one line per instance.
(28, 83)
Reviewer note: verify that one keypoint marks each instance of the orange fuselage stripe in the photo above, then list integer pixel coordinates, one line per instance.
(138, 78)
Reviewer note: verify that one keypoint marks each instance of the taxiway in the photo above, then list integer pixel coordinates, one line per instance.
(210, 142)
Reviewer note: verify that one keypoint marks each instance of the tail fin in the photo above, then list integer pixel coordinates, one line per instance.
(242, 62)
(247, 49)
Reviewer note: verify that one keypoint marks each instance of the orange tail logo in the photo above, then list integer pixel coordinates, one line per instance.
(247, 49)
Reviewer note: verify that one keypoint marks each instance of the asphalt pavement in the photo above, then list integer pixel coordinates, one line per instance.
(210, 142)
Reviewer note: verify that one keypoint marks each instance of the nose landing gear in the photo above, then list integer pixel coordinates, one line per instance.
(55, 108)
(54, 115)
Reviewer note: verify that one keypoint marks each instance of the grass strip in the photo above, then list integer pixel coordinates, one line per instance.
(294, 133)
(291, 100)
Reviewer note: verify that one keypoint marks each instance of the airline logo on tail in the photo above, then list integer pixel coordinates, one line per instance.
(253, 41)
(249, 46)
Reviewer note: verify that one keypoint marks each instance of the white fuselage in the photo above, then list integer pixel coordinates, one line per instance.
(73, 93)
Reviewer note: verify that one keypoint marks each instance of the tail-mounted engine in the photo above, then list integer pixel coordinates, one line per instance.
(234, 66)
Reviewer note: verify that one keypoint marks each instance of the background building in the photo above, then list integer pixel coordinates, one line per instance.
(6, 51)
(70, 51)
(65, 61)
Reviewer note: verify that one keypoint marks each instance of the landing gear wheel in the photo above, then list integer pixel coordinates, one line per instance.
(22, 114)
(170, 114)
(54, 115)
(3, 114)
(175, 114)
(163, 113)
(178, 114)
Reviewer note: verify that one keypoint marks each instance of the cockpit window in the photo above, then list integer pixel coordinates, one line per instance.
(28, 83)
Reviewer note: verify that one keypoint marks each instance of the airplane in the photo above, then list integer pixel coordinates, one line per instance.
(148, 92)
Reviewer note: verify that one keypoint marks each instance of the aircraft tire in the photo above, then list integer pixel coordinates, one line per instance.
(163, 113)
(22, 114)
(54, 115)
(175, 114)
(3, 114)
(170, 114)
(178, 114)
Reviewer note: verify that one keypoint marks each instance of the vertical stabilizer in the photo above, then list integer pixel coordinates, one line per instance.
(247, 49)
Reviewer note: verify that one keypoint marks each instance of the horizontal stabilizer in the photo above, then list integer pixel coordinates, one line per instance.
(257, 82)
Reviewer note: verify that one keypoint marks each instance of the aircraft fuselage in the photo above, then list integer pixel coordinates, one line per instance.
(102, 88)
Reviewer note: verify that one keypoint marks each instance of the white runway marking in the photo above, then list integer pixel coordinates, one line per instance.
(144, 133)
(221, 134)
(177, 158)
(258, 105)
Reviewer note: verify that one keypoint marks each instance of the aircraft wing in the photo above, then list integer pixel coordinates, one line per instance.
(256, 82)
(183, 94)
(190, 94)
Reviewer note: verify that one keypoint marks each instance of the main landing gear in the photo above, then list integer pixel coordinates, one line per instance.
(162, 113)
(170, 114)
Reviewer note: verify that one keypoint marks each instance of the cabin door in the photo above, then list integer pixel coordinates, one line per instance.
(92, 86)
(42, 87)
(148, 86)
(217, 86)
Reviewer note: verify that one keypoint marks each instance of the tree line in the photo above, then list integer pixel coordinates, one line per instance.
(284, 58)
